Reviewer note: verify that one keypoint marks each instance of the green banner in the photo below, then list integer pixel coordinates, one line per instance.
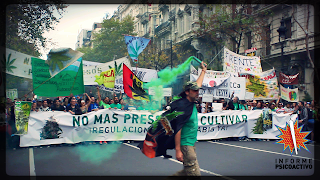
(22, 113)
(61, 84)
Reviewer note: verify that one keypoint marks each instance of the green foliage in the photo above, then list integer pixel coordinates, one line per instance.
(226, 22)
(109, 42)
(256, 87)
(28, 22)
(258, 128)
(307, 97)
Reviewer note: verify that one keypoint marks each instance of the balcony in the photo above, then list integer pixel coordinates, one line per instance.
(162, 7)
(163, 28)
(172, 14)
(146, 35)
(139, 15)
(145, 18)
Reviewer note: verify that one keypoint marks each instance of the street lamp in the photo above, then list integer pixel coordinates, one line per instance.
(282, 34)
(168, 40)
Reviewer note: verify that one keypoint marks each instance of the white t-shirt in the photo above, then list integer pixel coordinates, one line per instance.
(45, 109)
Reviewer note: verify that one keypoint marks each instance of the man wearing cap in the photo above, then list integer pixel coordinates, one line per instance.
(180, 123)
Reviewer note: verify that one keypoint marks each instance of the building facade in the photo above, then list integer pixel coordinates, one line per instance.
(83, 39)
(168, 24)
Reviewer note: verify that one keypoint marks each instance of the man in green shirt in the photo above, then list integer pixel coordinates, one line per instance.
(186, 137)
(115, 105)
(105, 102)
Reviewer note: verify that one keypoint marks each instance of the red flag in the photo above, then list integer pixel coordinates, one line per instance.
(133, 86)
(289, 80)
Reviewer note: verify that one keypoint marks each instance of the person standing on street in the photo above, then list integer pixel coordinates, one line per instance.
(182, 128)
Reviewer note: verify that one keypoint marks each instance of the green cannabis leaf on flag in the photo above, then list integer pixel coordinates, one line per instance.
(57, 59)
(61, 58)
(135, 46)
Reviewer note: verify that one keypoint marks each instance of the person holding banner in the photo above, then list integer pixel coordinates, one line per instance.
(83, 105)
(57, 106)
(302, 115)
(73, 108)
(93, 105)
(234, 104)
(105, 102)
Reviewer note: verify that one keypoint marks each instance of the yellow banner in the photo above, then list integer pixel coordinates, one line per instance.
(107, 78)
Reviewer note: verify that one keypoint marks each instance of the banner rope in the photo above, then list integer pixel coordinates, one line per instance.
(215, 56)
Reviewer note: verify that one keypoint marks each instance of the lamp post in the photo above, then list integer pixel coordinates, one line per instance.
(168, 40)
(282, 34)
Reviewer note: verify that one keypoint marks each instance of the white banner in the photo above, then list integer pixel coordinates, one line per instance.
(268, 130)
(238, 86)
(218, 87)
(217, 106)
(249, 96)
(89, 72)
(207, 98)
(264, 85)
(18, 64)
(235, 63)
(112, 125)
(290, 95)
(145, 75)
(213, 74)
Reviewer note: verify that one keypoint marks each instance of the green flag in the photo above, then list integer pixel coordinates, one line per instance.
(59, 85)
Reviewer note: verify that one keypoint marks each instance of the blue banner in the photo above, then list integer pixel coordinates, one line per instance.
(135, 46)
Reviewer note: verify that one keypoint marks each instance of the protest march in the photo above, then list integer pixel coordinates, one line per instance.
(138, 100)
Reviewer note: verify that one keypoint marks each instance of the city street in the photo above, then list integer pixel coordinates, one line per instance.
(225, 159)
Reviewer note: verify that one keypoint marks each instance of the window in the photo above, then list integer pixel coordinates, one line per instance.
(288, 25)
(234, 45)
(268, 40)
(182, 25)
(248, 38)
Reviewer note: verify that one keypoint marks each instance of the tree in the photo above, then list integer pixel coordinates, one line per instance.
(109, 42)
(26, 23)
(231, 22)
(307, 33)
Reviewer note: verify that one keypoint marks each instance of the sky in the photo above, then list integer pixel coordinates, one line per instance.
(75, 18)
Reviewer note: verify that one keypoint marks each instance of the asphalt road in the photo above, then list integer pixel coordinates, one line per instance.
(223, 159)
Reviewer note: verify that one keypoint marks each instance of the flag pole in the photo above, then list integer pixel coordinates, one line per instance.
(215, 56)
(74, 79)
(39, 85)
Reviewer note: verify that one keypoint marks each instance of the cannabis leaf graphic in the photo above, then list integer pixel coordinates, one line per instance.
(118, 69)
(56, 59)
(258, 128)
(256, 87)
(135, 51)
(9, 63)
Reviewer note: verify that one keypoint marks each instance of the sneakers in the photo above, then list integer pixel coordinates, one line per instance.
(104, 142)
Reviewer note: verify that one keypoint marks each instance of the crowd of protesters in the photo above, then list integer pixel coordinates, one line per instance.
(306, 111)
(77, 105)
